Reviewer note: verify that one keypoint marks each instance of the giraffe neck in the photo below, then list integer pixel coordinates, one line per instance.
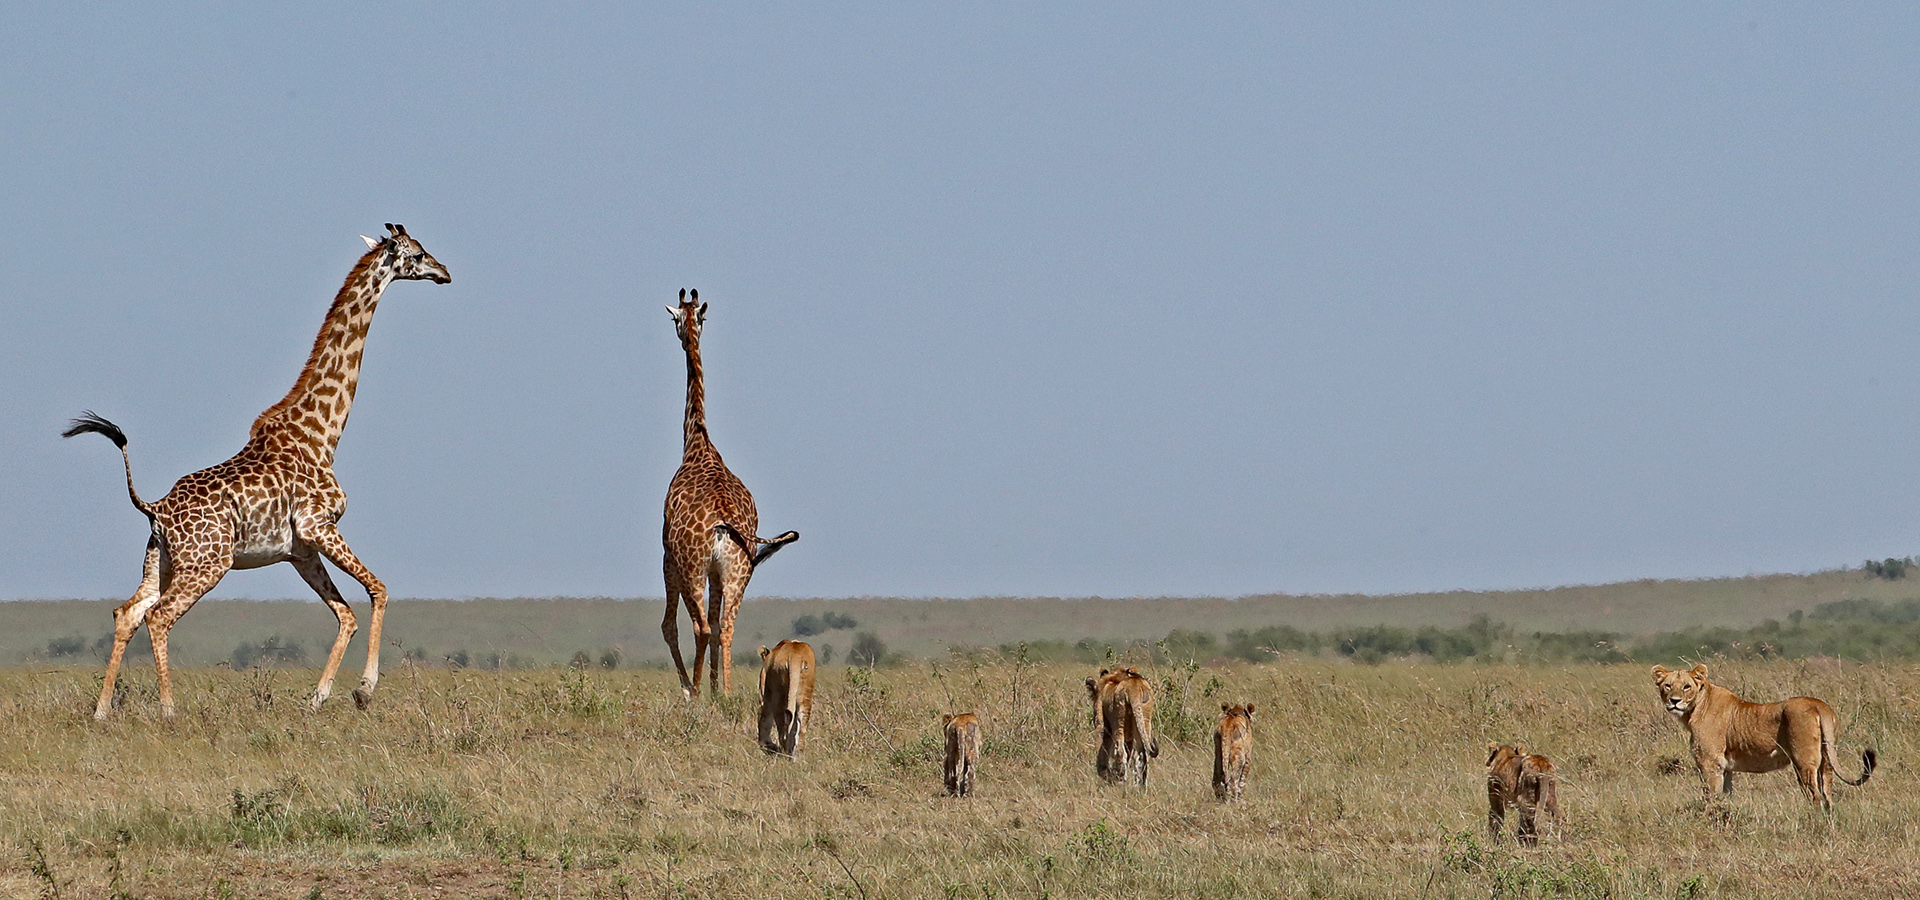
(697, 441)
(314, 412)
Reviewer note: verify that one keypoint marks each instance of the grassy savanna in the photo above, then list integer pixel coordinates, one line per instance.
(1366, 783)
(540, 632)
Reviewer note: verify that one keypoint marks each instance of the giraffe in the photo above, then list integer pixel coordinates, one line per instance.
(710, 528)
(274, 501)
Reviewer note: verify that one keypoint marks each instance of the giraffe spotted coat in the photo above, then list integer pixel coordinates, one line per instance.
(277, 499)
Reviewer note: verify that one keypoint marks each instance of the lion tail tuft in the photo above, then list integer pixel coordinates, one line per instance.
(1868, 759)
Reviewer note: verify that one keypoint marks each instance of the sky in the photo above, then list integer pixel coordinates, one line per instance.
(1092, 299)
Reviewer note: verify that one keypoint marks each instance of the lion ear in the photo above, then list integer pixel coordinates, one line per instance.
(764, 653)
(1700, 671)
(1660, 672)
(946, 719)
(1225, 707)
(1249, 711)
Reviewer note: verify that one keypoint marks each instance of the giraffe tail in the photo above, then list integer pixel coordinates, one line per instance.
(91, 423)
(757, 547)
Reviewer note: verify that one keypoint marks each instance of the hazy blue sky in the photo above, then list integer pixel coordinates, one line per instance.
(1095, 299)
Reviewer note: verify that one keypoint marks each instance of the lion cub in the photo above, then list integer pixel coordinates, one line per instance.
(963, 751)
(1731, 735)
(1524, 782)
(1232, 751)
(786, 695)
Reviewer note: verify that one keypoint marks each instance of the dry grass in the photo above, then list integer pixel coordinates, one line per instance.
(1366, 783)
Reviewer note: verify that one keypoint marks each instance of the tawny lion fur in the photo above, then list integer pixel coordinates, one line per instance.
(786, 695)
(1524, 782)
(1123, 710)
(1232, 751)
(1731, 735)
(963, 751)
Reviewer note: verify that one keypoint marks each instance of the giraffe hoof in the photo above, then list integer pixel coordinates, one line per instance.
(362, 698)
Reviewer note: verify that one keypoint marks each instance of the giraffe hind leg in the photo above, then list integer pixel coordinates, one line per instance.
(680, 579)
(715, 649)
(729, 579)
(189, 584)
(126, 620)
(670, 629)
(314, 571)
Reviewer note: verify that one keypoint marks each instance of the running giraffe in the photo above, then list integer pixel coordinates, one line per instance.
(710, 529)
(276, 500)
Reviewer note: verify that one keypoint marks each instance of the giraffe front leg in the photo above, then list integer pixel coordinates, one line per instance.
(126, 621)
(314, 572)
(370, 678)
(325, 538)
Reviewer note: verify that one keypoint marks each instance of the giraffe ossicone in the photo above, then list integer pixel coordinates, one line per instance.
(277, 499)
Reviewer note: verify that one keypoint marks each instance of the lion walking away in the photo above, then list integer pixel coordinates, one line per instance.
(1524, 782)
(963, 751)
(1123, 710)
(1232, 751)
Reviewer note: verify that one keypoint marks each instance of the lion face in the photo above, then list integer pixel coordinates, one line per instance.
(1680, 690)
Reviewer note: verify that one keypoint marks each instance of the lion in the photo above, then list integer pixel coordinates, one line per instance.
(1123, 710)
(1524, 782)
(786, 695)
(963, 751)
(1232, 751)
(1731, 735)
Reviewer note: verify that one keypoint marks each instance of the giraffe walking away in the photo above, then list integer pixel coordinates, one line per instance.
(710, 532)
(276, 500)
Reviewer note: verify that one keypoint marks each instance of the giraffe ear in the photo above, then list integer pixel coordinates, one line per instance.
(371, 243)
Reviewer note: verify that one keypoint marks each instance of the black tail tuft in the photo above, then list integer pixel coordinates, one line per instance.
(773, 546)
(1868, 759)
(91, 422)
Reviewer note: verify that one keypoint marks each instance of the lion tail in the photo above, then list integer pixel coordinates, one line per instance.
(1143, 727)
(1868, 758)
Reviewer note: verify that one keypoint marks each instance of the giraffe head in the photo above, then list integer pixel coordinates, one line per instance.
(410, 261)
(688, 317)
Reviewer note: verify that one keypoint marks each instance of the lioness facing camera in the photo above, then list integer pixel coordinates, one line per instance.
(1731, 735)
